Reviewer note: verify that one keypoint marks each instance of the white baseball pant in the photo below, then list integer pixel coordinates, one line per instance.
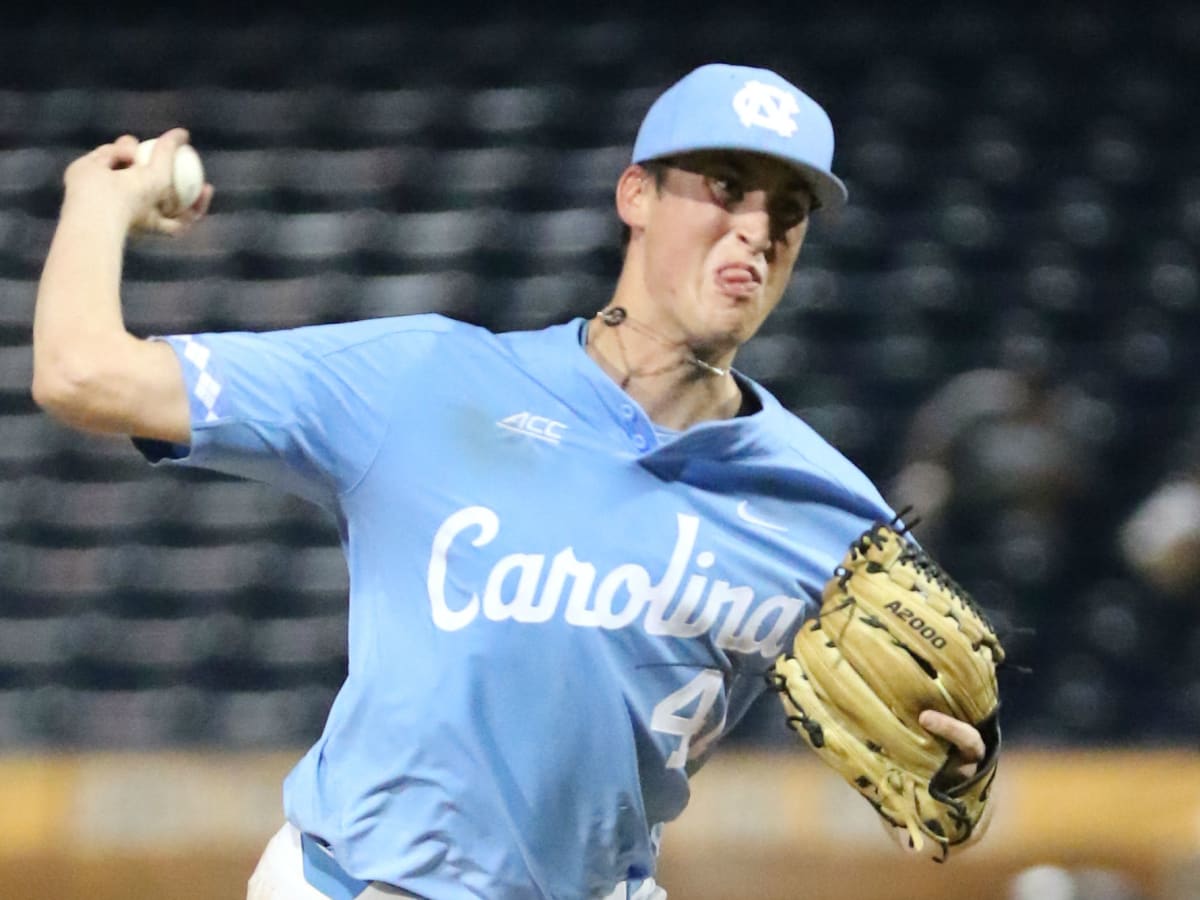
(279, 875)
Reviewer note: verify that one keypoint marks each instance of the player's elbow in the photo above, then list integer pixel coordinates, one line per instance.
(52, 379)
(128, 387)
(70, 390)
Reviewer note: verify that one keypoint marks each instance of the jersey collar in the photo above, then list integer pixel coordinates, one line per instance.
(757, 435)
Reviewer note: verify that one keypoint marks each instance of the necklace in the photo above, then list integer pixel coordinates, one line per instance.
(613, 316)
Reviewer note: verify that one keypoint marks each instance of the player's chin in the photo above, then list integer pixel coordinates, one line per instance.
(733, 320)
(725, 334)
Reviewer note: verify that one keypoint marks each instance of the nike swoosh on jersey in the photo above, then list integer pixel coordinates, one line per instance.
(743, 511)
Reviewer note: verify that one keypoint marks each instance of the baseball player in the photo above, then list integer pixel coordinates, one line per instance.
(573, 552)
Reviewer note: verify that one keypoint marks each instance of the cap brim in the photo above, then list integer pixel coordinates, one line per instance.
(829, 190)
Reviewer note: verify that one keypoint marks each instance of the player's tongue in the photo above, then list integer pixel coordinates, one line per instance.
(736, 280)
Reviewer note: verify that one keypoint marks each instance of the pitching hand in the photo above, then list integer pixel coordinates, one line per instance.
(141, 195)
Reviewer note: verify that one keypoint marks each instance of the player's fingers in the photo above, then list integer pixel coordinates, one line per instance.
(124, 149)
(102, 155)
(162, 154)
(170, 141)
(961, 734)
(160, 224)
(197, 211)
(178, 223)
(200, 208)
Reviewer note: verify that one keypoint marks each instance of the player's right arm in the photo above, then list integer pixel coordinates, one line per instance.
(88, 370)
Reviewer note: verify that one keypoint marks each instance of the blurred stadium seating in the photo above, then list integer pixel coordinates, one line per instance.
(1025, 196)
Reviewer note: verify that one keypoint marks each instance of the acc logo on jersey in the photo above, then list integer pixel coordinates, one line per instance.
(534, 426)
(766, 106)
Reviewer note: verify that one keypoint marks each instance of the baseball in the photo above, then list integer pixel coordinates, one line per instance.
(188, 178)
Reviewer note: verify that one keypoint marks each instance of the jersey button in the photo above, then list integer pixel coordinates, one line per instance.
(626, 412)
(639, 441)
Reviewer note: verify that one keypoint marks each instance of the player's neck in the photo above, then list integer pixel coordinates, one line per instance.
(675, 385)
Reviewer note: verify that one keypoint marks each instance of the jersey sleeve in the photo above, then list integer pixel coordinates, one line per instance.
(305, 410)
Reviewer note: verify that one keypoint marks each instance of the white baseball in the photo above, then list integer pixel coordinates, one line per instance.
(188, 177)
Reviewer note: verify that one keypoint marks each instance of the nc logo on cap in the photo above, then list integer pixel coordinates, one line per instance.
(767, 106)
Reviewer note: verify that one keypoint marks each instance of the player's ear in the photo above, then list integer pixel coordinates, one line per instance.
(634, 188)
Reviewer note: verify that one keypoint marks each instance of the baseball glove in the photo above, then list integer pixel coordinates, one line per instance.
(896, 636)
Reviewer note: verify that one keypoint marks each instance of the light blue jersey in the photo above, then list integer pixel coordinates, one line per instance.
(553, 616)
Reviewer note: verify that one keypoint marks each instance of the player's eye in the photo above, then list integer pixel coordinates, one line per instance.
(786, 213)
(789, 214)
(726, 188)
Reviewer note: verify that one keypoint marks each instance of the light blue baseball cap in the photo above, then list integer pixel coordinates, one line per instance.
(725, 107)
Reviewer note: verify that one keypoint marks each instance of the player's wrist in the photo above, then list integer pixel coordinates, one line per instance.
(100, 210)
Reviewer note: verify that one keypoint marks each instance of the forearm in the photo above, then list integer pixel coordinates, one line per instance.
(78, 312)
(79, 333)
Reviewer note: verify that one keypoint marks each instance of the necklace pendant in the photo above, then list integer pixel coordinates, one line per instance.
(614, 316)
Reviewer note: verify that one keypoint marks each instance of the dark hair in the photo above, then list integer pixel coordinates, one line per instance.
(658, 170)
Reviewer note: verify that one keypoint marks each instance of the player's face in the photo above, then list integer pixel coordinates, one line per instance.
(722, 237)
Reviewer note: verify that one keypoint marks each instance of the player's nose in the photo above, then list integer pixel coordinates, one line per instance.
(752, 223)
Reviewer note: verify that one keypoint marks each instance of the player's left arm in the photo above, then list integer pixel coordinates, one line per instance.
(922, 660)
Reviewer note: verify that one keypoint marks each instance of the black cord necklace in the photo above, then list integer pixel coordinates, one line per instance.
(613, 316)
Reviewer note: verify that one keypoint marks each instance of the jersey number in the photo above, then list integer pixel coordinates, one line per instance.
(672, 716)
